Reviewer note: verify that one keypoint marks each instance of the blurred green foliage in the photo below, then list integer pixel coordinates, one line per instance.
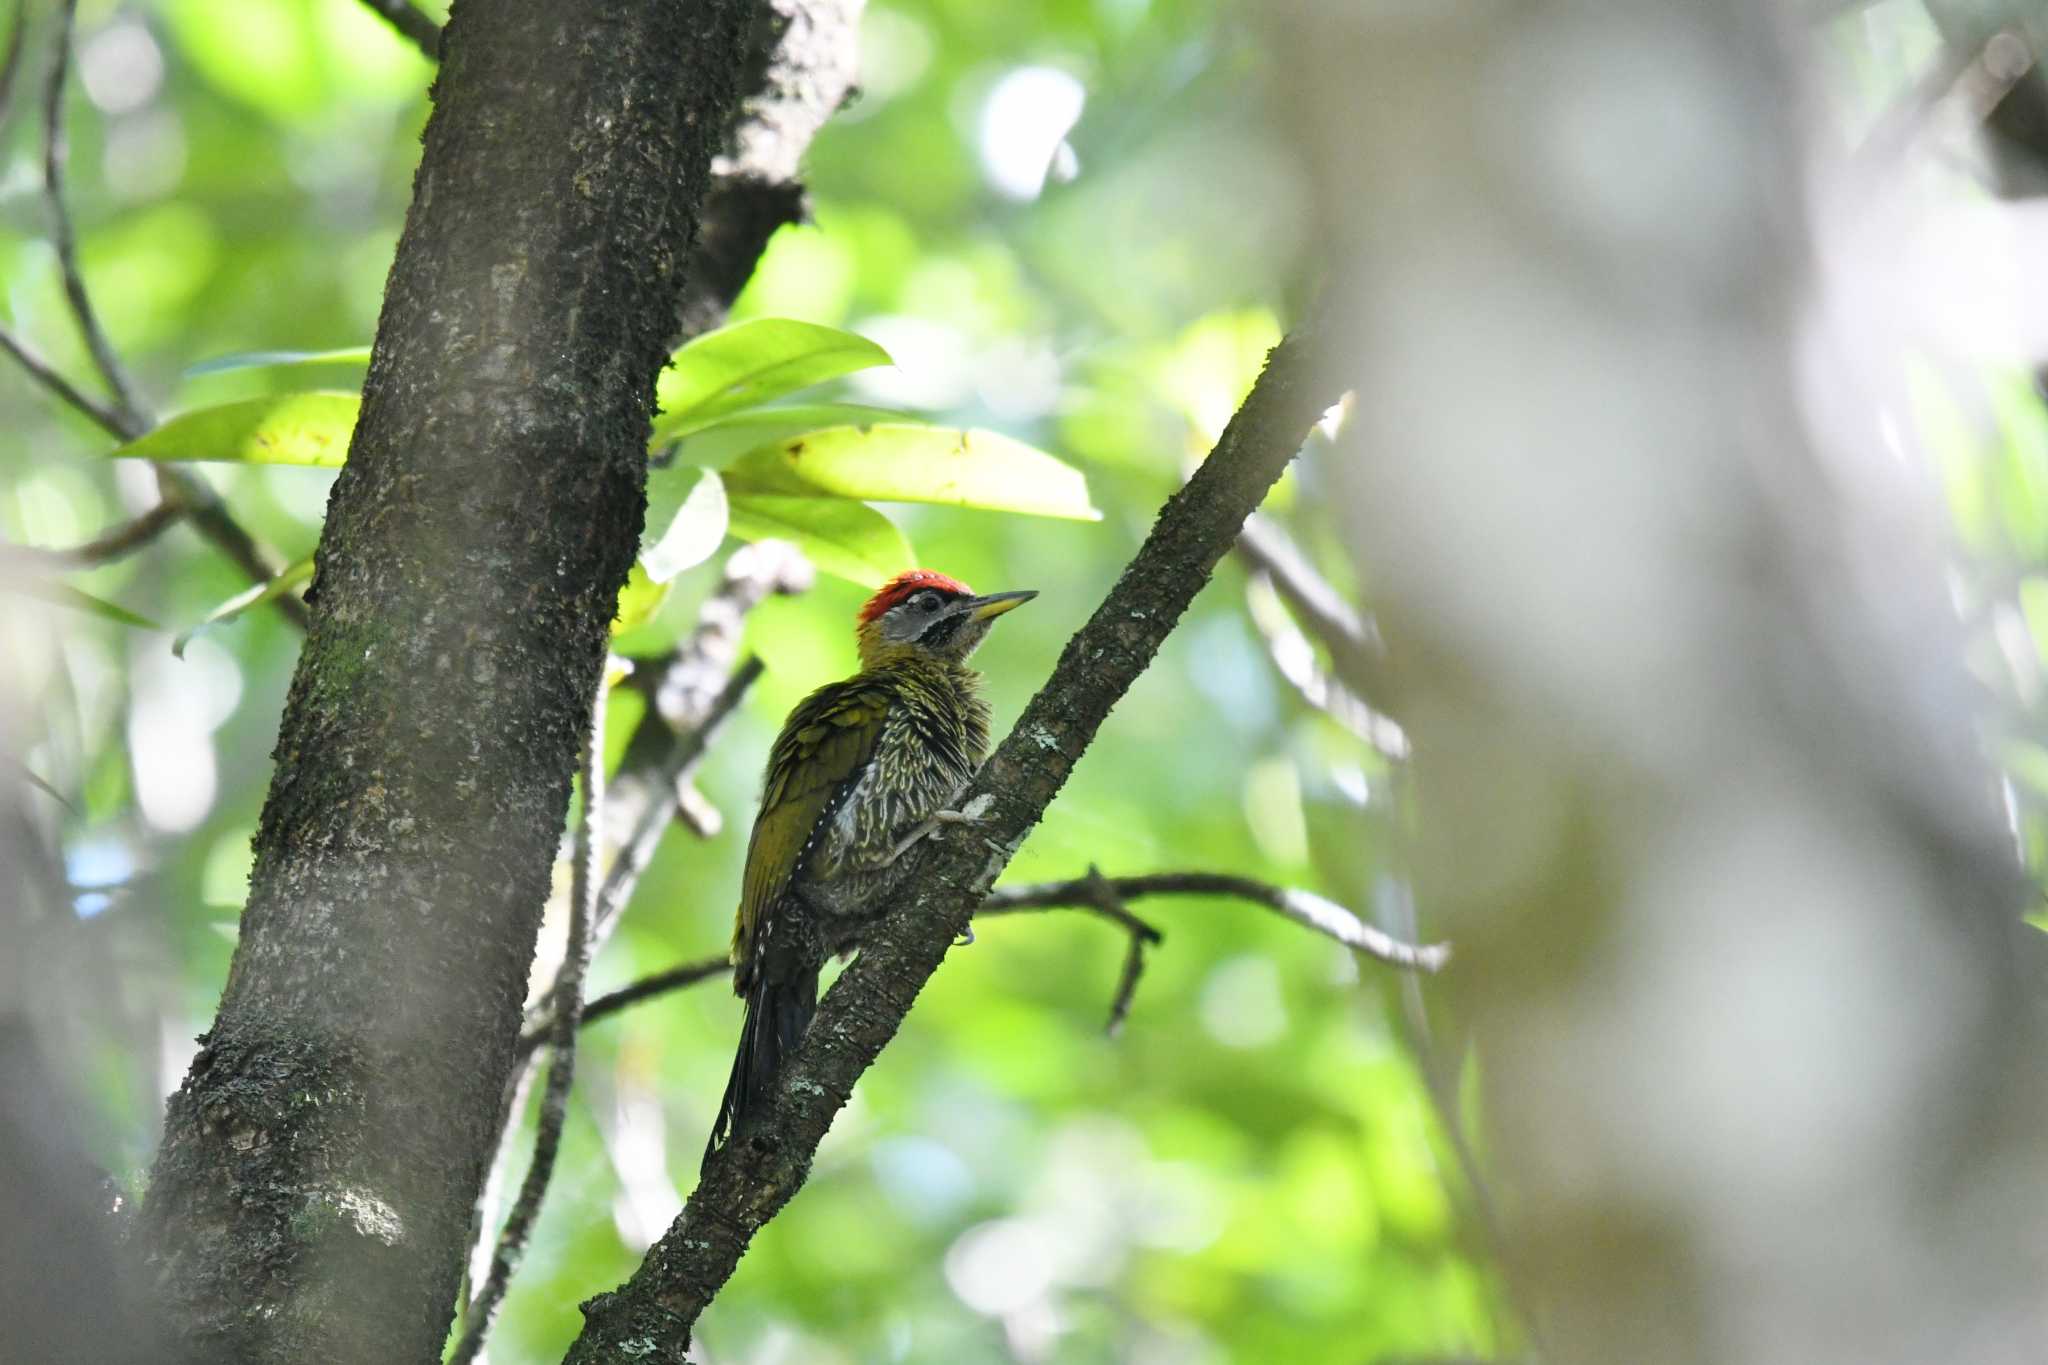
(1252, 1170)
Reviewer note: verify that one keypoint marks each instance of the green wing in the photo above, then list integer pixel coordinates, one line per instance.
(826, 742)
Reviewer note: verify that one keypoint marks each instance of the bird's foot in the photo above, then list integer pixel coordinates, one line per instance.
(966, 937)
(930, 826)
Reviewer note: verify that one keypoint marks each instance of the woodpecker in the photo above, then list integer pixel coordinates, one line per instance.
(862, 770)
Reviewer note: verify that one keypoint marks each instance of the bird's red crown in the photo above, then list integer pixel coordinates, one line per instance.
(904, 584)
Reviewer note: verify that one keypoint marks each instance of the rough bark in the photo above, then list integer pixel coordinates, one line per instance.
(312, 1194)
(651, 1317)
(807, 53)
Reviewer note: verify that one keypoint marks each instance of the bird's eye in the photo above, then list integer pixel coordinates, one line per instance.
(927, 601)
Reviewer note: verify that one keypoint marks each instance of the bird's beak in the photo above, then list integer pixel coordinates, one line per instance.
(996, 603)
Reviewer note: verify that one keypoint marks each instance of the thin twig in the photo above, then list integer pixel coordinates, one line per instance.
(413, 24)
(10, 64)
(676, 768)
(1093, 894)
(1106, 899)
(125, 539)
(46, 374)
(567, 995)
(646, 988)
(211, 518)
(1305, 908)
(124, 418)
(1354, 645)
(1294, 658)
(63, 239)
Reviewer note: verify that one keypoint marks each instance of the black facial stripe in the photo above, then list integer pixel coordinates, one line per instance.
(942, 629)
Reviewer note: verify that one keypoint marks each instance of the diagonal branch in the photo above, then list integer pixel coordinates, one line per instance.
(667, 781)
(64, 240)
(124, 417)
(753, 1176)
(1355, 648)
(109, 545)
(10, 61)
(412, 24)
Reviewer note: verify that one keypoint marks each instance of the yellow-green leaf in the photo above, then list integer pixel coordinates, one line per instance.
(904, 462)
(288, 578)
(287, 428)
(846, 539)
(718, 443)
(638, 600)
(750, 363)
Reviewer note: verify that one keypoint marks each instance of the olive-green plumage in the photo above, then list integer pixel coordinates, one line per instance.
(861, 770)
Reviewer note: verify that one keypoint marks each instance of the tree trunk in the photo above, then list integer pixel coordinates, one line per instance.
(313, 1191)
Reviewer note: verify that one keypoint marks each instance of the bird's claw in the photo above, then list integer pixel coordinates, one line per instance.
(966, 937)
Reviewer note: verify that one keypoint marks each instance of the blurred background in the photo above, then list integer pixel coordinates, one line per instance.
(1082, 222)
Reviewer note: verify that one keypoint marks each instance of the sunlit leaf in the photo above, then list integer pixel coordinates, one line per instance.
(904, 462)
(287, 579)
(750, 363)
(845, 539)
(289, 428)
(64, 595)
(736, 433)
(276, 360)
(638, 600)
(686, 520)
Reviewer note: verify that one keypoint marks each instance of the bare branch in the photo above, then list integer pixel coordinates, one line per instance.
(412, 24)
(1110, 903)
(808, 53)
(1355, 648)
(749, 1179)
(567, 995)
(63, 239)
(10, 62)
(1294, 658)
(675, 770)
(46, 374)
(211, 518)
(682, 687)
(124, 418)
(125, 539)
(676, 978)
(1092, 894)
(1305, 908)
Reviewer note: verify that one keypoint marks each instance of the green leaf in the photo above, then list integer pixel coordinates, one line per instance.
(276, 360)
(64, 595)
(904, 462)
(736, 433)
(291, 576)
(638, 600)
(847, 539)
(747, 364)
(288, 428)
(685, 522)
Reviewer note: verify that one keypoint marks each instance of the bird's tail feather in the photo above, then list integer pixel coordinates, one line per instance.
(778, 1012)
